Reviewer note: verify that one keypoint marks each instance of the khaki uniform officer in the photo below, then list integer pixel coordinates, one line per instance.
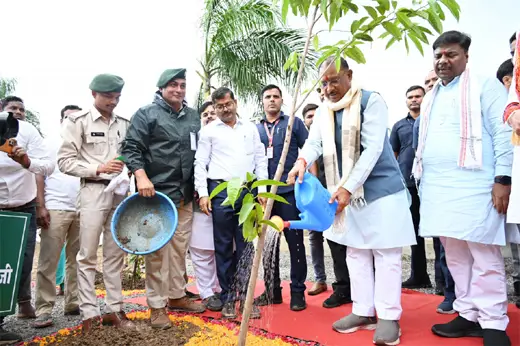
(91, 141)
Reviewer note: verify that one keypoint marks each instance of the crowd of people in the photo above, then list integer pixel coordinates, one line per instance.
(444, 172)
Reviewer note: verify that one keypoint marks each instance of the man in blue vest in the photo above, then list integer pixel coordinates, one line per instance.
(272, 129)
(362, 173)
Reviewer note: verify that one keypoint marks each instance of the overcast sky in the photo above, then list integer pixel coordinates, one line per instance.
(55, 47)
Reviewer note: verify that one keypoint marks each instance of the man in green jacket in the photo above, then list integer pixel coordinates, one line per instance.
(160, 150)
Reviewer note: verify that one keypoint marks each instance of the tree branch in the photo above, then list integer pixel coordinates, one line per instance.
(279, 171)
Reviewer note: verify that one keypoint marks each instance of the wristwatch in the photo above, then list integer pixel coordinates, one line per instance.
(503, 180)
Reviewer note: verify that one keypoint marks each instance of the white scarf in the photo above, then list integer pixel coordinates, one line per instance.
(470, 152)
(351, 144)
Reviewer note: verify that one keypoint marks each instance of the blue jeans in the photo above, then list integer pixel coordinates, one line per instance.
(317, 255)
(449, 284)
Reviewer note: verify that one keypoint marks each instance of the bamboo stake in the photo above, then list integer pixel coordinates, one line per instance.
(279, 171)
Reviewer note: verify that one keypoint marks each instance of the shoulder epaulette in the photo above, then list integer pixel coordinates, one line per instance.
(76, 115)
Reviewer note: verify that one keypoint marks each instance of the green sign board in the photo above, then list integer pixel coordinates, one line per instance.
(13, 237)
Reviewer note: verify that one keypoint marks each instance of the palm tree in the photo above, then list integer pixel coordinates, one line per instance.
(8, 87)
(246, 45)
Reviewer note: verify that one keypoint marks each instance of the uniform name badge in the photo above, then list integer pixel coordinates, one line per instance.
(193, 141)
(269, 152)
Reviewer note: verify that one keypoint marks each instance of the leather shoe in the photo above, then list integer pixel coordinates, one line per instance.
(26, 310)
(118, 320)
(317, 288)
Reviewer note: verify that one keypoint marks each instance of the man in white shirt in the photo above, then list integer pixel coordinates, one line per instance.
(59, 202)
(228, 147)
(18, 193)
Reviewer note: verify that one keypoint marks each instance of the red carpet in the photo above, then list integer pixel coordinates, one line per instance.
(314, 323)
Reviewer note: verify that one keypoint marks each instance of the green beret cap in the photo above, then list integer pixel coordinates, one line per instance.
(107, 83)
(170, 74)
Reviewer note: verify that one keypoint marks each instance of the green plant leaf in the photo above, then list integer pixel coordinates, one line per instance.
(393, 30)
(434, 20)
(225, 202)
(250, 177)
(245, 212)
(285, 9)
(316, 42)
(371, 11)
(267, 182)
(234, 188)
(355, 54)
(270, 224)
(364, 37)
(403, 18)
(385, 4)
(273, 196)
(248, 229)
(394, 4)
(453, 7)
(259, 211)
(220, 187)
(406, 44)
(338, 62)
(417, 43)
(390, 42)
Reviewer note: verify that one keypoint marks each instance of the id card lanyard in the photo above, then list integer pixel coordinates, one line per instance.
(270, 134)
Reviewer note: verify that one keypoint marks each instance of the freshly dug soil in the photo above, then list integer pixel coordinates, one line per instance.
(128, 283)
(178, 335)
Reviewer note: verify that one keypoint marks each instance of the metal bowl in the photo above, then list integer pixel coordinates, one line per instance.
(143, 225)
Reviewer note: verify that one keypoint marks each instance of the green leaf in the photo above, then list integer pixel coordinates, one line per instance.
(390, 42)
(266, 182)
(439, 11)
(355, 54)
(234, 188)
(270, 224)
(323, 9)
(285, 9)
(250, 177)
(220, 187)
(338, 62)
(259, 211)
(393, 30)
(403, 18)
(385, 4)
(434, 20)
(426, 30)
(351, 6)
(248, 198)
(406, 45)
(394, 4)
(364, 37)
(316, 42)
(417, 43)
(246, 209)
(371, 11)
(248, 229)
(273, 196)
(380, 9)
(225, 202)
(453, 7)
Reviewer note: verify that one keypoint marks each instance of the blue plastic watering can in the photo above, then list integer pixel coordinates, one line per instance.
(143, 225)
(312, 199)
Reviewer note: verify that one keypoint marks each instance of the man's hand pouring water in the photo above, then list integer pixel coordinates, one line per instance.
(342, 195)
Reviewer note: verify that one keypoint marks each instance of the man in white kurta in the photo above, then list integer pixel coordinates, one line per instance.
(463, 160)
(379, 223)
(202, 248)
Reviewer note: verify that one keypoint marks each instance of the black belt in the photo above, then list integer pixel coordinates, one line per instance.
(93, 181)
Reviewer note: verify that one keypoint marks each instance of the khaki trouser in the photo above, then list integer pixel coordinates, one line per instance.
(165, 268)
(96, 210)
(64, 226)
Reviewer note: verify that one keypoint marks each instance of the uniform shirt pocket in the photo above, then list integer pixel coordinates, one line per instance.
(96, 144)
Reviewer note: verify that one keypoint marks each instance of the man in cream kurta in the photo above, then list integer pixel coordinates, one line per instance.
(463, 160)
(378, 223)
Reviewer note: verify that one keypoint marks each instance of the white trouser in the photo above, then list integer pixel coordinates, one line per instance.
(205, 271)
(382, 295)
(480, 282)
